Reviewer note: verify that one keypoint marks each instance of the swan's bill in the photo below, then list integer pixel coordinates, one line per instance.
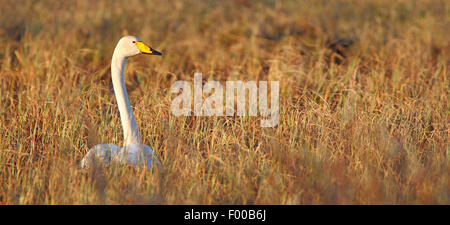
(145, 49)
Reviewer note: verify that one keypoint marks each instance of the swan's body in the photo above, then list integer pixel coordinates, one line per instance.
(134, 152)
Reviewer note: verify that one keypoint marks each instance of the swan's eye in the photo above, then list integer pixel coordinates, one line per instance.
(134, 41)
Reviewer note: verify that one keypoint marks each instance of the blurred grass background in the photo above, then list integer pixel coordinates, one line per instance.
(364, 101)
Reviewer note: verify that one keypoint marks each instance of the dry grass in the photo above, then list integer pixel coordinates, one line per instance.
(364, 91)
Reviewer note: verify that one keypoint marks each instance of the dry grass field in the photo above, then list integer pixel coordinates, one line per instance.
(364, 101)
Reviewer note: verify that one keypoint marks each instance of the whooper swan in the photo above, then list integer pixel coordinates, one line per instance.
(134, 152)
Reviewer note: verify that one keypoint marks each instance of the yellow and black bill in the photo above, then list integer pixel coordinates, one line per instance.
(145, 49)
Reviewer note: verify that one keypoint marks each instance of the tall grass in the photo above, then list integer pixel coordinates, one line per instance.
(364, 101)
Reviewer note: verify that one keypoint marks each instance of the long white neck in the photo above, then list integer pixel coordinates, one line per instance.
(130, 129)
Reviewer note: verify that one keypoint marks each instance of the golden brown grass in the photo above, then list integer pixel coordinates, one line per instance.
(364, 101)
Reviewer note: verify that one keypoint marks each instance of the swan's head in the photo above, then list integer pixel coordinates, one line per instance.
(131, 46)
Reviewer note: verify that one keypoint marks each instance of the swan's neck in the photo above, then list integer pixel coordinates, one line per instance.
(130, 129)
